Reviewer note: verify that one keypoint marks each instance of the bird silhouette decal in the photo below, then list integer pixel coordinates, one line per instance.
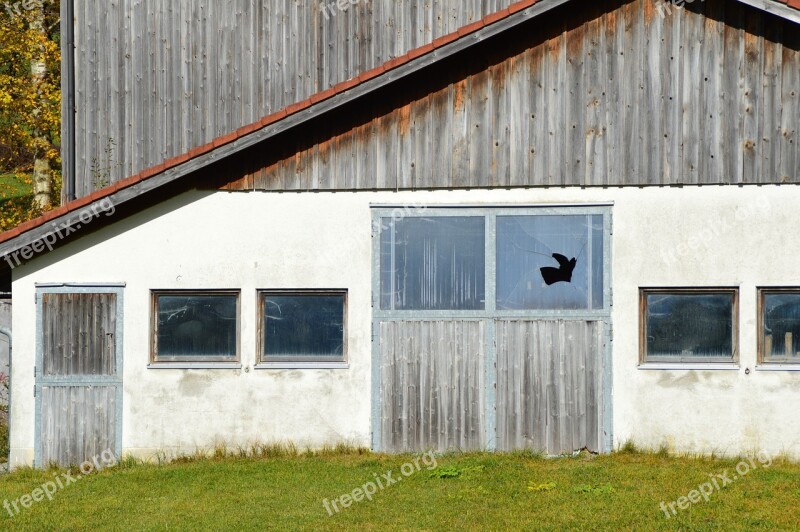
(561, 274)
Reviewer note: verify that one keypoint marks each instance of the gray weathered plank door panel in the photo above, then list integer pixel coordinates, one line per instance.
(78, 423)
(78, 383)
(432, 385)
(550, 385)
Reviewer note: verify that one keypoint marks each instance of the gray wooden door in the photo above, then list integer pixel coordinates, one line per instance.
(78, 384)
(550, 385)
(432, 393)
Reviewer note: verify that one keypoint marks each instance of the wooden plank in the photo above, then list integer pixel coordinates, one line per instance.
(503, 115)
(517, 105)
(406, 147)
(479, 134)
(441, 154)
(574, 107)
(752, 100)
(460, 130)
(712, 153)
(632, 96)
(595, 81)
(692, 39)
(733, 89)
(422, 132)
(555, 58)
(789, 139)
(771, 114)
(615, 112)
(538, 125)
(653, 96)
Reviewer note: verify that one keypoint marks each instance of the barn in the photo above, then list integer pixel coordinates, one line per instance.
(415, 225)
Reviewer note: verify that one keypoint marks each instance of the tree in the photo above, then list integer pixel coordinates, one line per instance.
(30, 103)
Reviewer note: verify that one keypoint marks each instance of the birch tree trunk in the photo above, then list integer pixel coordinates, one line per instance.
(42, 174)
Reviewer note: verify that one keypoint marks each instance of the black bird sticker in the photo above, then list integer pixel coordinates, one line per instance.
(561, 274)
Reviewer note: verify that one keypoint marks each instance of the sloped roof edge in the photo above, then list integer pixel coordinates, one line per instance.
(67, 218)
(788, 9)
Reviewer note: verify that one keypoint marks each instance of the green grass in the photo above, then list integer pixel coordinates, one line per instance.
(14, 186)
(469, 491)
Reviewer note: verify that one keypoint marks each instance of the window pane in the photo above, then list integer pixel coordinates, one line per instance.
(433, 263)
(782, 326)
(201, 326)
(690, 325)
(303, 325)
(550, 262)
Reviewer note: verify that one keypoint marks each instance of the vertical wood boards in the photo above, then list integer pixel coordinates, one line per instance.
(549, 385)
(432, 385)
(625, 98)
(159, 78)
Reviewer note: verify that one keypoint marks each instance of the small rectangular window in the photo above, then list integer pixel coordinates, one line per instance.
(196, 326)
(303, 325)
(779, 325)
(692, 325)
(433, 263)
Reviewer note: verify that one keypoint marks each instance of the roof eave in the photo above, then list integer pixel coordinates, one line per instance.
(789, 10)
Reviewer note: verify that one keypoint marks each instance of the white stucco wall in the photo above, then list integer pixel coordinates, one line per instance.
(720, 236)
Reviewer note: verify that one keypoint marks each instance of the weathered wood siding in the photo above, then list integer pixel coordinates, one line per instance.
(78, 334)
(432, 385)
(155, 78)
(78, 423)
(614, 94)
(550, 385)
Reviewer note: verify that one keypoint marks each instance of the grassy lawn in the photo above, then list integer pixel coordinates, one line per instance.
(471, 491)
(14, 186)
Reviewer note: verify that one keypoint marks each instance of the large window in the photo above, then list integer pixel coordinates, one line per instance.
(196, 326)
(504, 260)
(689, 325)
(302, 326)
(779, 325)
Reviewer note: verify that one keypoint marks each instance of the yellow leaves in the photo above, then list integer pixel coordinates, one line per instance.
(30, 107)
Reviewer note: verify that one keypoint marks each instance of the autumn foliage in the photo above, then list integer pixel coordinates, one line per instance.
(30, 108)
